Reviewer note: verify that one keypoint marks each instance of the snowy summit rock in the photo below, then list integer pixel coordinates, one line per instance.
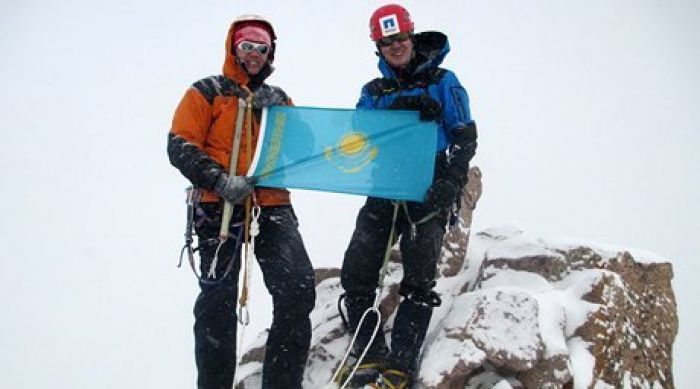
(519, 312)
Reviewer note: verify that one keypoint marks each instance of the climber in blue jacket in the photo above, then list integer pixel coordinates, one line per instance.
(411, 80)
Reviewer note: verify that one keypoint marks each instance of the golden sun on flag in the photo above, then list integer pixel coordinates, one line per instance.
(352, 153)
(352, 143)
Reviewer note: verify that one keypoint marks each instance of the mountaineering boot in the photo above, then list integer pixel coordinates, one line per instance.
(393, 379)
(367, 373)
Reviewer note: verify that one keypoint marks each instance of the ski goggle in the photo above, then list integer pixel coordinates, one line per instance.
(247, 47)
(400, 37)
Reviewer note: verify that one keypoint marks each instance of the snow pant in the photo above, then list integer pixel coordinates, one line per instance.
(360, 274)
(288, 276)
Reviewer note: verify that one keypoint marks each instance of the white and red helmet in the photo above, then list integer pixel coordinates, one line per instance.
(388, 20)
(256, 27)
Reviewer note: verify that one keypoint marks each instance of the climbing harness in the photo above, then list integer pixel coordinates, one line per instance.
(413, 232)
(414, 225)
(195, 217)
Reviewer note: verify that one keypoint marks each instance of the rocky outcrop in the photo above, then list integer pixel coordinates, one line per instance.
(607, 315)
(519, 312)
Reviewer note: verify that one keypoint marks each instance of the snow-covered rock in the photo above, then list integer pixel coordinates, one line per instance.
(519, 312)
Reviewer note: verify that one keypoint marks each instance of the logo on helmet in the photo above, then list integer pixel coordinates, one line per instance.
(389, 25)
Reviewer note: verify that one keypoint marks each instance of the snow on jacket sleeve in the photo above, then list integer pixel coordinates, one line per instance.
(191, 123)
(461, 128)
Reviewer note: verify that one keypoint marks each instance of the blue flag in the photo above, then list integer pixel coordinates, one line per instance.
(380, 153)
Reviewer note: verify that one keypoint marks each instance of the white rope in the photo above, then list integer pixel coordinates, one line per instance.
(373, 308)
(212, 268)
(254, 231)
(243, 311)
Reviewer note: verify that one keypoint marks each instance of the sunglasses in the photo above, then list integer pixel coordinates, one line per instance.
(387, 41)
(247, 47)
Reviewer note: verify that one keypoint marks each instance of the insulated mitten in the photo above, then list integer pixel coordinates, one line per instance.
(428, 107)
(442, 194)
(233, 188)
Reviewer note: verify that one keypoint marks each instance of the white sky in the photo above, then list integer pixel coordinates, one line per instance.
(588, 120)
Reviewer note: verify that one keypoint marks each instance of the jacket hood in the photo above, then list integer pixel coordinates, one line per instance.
(234, 70)
(430, 48)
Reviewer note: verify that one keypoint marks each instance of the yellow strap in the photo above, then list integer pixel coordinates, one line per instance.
(403, 384)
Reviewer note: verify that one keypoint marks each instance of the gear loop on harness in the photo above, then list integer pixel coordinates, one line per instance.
(196, 217)
(215, 262)
(222, 240)
(191, 198)
(414, 225)
(235, 237)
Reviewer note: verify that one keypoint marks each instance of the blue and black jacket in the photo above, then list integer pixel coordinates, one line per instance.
(456, 129)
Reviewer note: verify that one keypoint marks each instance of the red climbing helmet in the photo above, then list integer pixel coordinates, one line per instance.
(388, 20)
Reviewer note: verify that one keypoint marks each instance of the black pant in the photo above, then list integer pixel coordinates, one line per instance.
(360, 274)
(288, 276)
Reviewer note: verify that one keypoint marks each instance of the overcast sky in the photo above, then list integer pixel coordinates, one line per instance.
(588, 128)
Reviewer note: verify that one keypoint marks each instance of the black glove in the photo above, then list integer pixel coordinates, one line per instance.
(442, 194)
(461, 152)
(235, 188)
(429, 108)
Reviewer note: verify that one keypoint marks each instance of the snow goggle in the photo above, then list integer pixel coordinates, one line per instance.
(247, 47)
(400, 37)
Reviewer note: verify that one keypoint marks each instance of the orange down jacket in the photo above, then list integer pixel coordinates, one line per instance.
(201, 137)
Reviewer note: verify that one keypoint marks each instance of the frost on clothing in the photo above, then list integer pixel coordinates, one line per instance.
(200, 145)
(289, 277)
(206, 117)
(421, 225)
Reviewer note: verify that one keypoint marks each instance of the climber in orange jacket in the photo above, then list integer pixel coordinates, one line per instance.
(200, 145)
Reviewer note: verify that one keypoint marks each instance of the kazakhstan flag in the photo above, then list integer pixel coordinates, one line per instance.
(380, 153)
